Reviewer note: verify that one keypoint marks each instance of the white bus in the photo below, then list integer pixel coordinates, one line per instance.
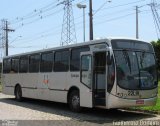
(106, 73)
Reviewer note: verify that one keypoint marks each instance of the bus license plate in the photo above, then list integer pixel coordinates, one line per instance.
(140, 102)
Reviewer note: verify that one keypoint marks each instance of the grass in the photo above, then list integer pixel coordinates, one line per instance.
(153, 109)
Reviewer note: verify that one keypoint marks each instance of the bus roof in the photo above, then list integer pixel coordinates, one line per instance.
(60, 47)
(96, 41)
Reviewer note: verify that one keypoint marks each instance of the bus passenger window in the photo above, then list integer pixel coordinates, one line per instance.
(23, 64)
(61, 61)
(6, 65)
(15, 65)
(75, 58)
(46, 64)
(34, 61)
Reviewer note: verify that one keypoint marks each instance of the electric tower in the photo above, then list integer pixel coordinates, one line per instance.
(68, 34)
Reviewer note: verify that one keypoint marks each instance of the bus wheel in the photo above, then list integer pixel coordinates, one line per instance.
(74, 101)
(18, 93)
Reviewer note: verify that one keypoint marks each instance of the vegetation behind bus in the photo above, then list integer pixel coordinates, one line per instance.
(0, 77)
(156, 108)
(156, 45)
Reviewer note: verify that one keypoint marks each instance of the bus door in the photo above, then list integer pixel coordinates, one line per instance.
(99, 78)
(86, 79)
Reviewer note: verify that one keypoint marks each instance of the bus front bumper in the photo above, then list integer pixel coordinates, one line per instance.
(116, 102)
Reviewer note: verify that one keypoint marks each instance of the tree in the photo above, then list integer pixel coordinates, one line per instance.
(156, 46)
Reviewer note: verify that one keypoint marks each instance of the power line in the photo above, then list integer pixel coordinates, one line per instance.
(116, 18)
(41, 37)
(101, 7)
(36, 12)
(56, 33)
(112, 19)
(156, 17)
(121, 5)
(39, 13)
(39, 18)
(113, 13)
(58, 27)
(29, 40)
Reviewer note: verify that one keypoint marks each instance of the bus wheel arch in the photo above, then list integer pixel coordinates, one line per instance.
(73, 99)
(18, 92)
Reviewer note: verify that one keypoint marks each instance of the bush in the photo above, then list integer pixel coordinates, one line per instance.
(156, 46)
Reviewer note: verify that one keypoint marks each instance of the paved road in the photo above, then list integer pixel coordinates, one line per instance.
(59, 114)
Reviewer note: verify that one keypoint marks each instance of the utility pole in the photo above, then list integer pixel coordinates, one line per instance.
(91, 20)
(137, 23)
(7, 30)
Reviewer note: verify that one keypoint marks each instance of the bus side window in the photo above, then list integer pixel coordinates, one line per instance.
(6, 65)
(46, 64)
(23, 64)
(61, 61)
(34, 63)
(75, 58)
(15, 65)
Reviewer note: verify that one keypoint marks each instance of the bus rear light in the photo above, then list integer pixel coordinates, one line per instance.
(140, 102)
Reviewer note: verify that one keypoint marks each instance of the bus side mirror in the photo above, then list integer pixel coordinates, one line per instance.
(109, 57)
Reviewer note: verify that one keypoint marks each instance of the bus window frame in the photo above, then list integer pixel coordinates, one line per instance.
(43, 53)
(27, 57)
(17, 58)
(61, 51)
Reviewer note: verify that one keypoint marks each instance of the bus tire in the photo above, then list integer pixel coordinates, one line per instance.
(74, 101)
(18, 93)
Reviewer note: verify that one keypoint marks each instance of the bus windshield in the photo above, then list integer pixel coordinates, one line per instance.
(136, 69)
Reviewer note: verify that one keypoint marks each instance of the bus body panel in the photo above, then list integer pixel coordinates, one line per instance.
(29, 93)
(34, 86)
(6, 86)
(58, 80)
(8, 90)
